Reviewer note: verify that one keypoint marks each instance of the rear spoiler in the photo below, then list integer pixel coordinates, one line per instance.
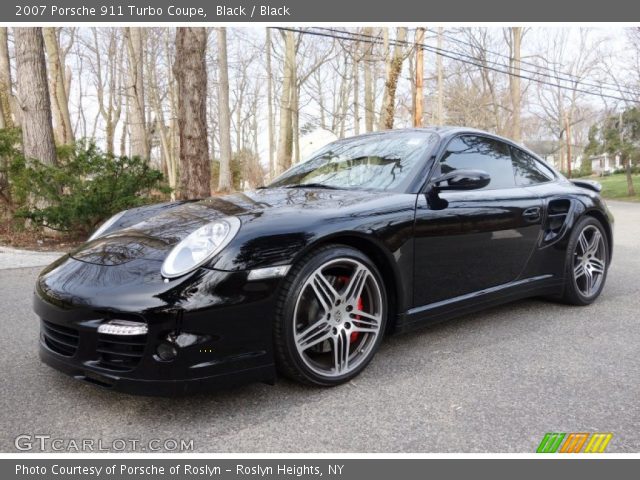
(588, 184)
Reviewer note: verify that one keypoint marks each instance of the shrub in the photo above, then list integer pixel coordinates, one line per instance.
(585, 169)
(9, 149)
(236, 173)
(86, 187)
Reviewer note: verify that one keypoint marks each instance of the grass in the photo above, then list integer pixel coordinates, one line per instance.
(615, 187)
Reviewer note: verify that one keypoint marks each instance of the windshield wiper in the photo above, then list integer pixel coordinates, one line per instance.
(313, 185)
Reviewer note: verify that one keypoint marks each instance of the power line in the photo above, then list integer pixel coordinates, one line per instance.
(569, 77)
(554, 75)
(456, 56)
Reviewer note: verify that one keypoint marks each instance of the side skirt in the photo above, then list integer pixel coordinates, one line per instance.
(437, 312)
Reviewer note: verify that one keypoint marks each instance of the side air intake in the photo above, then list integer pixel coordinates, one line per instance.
(558, 211)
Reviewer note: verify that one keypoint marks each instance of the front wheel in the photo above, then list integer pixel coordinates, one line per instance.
(331, 316)
(586, 263)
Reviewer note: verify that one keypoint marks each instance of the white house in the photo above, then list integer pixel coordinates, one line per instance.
(314, 141)
(605, 163)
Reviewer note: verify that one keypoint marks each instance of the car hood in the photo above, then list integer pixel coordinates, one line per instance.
(152, 233)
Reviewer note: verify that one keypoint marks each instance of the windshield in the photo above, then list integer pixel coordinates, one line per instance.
(380, 162)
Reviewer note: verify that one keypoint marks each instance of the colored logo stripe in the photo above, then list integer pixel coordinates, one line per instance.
(550, 443)
(574, 443)
(598, 442)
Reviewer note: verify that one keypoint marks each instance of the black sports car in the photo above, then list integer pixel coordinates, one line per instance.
(375, 234)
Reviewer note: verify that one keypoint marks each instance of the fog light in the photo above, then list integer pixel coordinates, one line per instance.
(123, 327)
(167, 352)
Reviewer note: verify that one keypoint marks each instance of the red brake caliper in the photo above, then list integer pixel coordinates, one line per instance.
(359, 305)
(355, 335)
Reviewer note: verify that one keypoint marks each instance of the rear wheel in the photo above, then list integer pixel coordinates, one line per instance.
(331, 317)
(587, 262)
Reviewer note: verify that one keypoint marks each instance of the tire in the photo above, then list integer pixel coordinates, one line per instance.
(322, 343)
(578, 269)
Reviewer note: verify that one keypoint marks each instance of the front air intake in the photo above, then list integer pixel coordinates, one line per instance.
(120, 352)
(61, 340)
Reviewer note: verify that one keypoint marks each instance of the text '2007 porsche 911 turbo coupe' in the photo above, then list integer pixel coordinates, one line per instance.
(373, 235)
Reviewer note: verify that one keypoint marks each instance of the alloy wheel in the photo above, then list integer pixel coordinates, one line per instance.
(337, 317)
(589, 262)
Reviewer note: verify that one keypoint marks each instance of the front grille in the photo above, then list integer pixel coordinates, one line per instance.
(62, 340)
(120, 352)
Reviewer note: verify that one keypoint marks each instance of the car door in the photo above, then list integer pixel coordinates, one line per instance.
(470, 240)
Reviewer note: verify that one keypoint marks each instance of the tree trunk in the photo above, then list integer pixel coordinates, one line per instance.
(139, 142)
(440, 82)
(109, 74)
(514, 83)
(630, 189)
(369, 107)
(225, 180)
(173, 134)
(5, 81)
(285, 136)
(568, 130)
(393, 73)
(321, 104)
(191, 75)
(295, 116)
(33, 95)
(57, 88)
(419, 98)
(168, 160)
(356, 90)
(343, 97)
(270, 104)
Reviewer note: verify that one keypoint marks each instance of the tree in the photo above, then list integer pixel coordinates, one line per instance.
(418, 96)
(515, 42)
(33, 95)
(369, 99)
(394, 68)
(561, 104)
(618, 135)
(134, 37)
(57, 87)
(107, 65)
(439, 82)
(161, 85)
(285, 135)
(268, 47)
(191, 76)
(6, 97)
(225, 182)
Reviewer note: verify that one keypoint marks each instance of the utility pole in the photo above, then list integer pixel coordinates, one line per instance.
(418, 101)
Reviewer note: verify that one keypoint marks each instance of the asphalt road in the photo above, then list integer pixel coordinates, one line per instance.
(495, 381)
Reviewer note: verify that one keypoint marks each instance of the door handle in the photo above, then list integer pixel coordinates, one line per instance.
(531, 214)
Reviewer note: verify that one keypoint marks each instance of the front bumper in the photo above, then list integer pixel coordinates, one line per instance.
(163, 388)
(219, 323)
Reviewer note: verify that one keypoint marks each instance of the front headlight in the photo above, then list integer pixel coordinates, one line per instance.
(103, 228)
(200, 246)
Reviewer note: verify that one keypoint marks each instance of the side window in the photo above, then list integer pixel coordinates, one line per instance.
(479, 153)
(528, 170)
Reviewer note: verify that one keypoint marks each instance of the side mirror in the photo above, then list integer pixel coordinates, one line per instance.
(462, 180)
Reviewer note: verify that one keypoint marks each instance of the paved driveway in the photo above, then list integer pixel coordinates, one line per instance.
(495, 381)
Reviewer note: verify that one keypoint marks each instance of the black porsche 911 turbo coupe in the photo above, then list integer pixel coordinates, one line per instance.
(373, 235)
